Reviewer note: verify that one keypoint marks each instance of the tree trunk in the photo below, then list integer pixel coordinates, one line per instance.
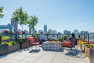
(33, 31)
(29, 28)
(22, 30)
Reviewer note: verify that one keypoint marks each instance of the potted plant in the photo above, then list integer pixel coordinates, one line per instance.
(24, 43)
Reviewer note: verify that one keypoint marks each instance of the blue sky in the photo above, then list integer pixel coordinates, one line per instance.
(59, 15)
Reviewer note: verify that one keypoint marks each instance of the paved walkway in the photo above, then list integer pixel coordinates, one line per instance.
(29, 56)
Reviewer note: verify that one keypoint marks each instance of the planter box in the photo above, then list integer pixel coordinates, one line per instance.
(78, 43)
(87, 52)
(91, 55)
(3, 49)
(83, 48)
(24, 45)
(14, 48)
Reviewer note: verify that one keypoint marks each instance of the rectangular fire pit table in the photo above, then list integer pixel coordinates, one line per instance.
(51, 46)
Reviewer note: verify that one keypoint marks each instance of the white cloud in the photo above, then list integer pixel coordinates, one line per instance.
(82, 24)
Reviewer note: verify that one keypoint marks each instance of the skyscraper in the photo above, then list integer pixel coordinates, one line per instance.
(30, 29)
(14, 25)
(76, 32)
(65, 32)
(45, 28)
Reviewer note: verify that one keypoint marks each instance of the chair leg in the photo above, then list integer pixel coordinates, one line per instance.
(76, 48)
(31, 47)
(71, 51)
(39, 47)
(36, 47)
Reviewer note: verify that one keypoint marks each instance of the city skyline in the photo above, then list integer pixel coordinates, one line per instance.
(58, 15)
(12, 28)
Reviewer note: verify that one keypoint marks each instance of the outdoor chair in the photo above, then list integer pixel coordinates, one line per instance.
(70, 44)
(33, 43)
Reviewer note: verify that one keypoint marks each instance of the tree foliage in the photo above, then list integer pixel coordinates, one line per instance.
(33, 21)
(1, 10)
(20, 17)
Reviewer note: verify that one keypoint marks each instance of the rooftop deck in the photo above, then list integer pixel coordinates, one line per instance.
(32, 56)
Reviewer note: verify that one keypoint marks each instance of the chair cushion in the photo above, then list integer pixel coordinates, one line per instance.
(37, 43)
(66, 44)
(31, 40)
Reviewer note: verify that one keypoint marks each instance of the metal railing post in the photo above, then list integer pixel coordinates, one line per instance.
(57, 36)
(47, 36)
(88, 37)
(84, 36)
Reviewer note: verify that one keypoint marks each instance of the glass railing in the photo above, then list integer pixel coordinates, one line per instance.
(88, 37)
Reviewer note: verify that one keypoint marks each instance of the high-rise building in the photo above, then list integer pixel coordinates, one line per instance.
(65, 32)
(69, 32)
(7, 27)
(35, 31)
(49, 31)
(76, 32)
(14, 25)
(84, 32)
(53, 34)
(45, 28)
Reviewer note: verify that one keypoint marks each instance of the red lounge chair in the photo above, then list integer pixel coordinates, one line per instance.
(69, 44)
(33, 42)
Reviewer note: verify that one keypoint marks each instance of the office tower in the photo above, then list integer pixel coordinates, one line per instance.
(45, 28)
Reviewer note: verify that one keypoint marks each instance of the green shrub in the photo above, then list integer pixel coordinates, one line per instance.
(6, 38)
(13, 43)
(64, 37)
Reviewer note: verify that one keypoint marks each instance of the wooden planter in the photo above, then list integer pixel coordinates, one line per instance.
(3, 49)
(80, 46)
(83, 48)
(87, 52)
(14, 48)
(24, 45)
(91, 55)
(78, 43)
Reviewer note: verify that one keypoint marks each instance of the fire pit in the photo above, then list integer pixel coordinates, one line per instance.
(51, 46)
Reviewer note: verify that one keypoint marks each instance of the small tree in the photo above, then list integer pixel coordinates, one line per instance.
(32, 22)
(1, 10)
(20, 17)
